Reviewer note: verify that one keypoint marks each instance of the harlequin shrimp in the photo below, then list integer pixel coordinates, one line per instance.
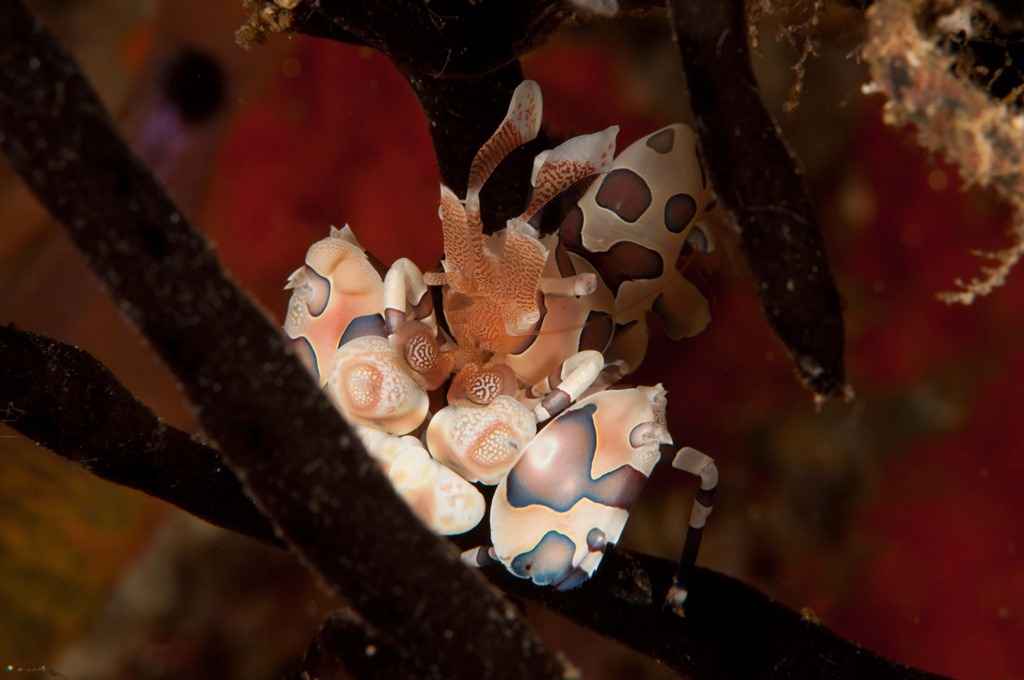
(538, 330)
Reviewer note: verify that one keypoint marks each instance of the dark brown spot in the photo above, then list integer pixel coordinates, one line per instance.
(679, 212)
(663, 141)
(626, 261)
(563, 261)
(597, 332)
(625, 193)
(571, 230)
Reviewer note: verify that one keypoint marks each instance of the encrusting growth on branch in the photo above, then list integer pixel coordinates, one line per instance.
(759, 185)
(983, 136)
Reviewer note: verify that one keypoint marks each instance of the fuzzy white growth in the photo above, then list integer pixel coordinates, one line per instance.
(600, 8)
(677, 599)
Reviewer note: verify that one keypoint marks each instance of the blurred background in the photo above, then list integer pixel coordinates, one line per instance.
(895, 518)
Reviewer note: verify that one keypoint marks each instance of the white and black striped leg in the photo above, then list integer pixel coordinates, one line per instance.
(567, 383)
(696, 463)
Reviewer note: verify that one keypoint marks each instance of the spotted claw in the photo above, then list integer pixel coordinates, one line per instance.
(570, 494)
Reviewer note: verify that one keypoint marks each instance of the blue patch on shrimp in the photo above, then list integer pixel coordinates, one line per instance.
(548, 563)
(559, 478)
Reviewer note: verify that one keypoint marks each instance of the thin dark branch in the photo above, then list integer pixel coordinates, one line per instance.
(449, 38)
(759, 184)
(623, 601)
(63, 398)
(283, 438)
(347, 641)
(310, 22)
(731, 630)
